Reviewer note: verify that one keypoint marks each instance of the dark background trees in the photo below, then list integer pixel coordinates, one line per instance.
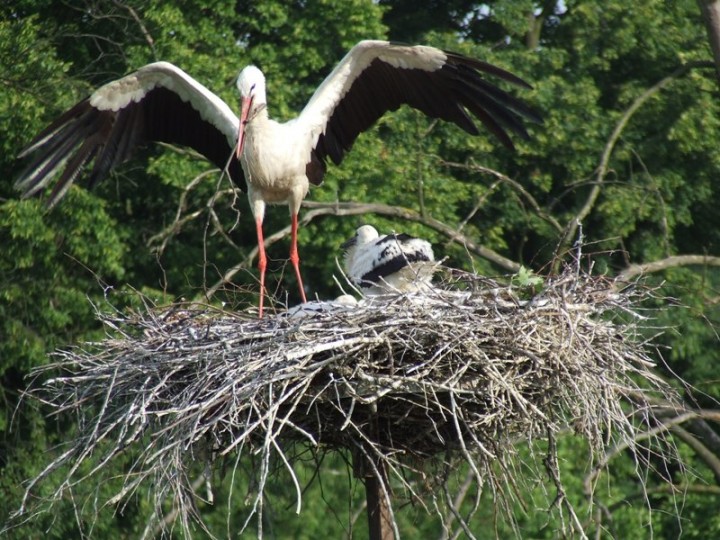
(630, 145)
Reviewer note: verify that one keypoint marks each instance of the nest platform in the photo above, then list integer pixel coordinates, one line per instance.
(404, 383)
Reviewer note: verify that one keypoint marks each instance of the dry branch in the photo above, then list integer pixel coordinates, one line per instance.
(673, 261)
(417, 384)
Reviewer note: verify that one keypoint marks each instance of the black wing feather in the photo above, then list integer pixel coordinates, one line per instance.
(447, 93)
(391, 266)
(111, 137)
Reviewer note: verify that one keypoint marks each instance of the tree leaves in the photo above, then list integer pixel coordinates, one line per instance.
(657, 195)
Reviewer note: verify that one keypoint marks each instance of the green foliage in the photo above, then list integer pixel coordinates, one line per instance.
(307, 37)
(592, 63)
(528, 283)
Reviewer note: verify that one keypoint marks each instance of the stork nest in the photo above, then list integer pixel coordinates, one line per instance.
(404, 383)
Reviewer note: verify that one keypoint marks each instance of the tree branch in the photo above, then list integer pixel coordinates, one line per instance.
(702, 451)
(603, 166)
(512, 183)
(622, 446)
(669, 262)
(143, 29)
(181, 218)
(671, 419)
(668, 489)
(532, 38)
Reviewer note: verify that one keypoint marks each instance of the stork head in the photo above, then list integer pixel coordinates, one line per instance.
(251, 85)
(364, 235)
(251, 82)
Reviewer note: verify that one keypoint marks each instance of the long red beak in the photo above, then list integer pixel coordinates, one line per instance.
(246, 105)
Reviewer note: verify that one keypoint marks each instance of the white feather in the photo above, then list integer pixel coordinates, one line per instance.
(133, 88)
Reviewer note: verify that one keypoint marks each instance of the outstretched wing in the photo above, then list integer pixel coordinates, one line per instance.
(158, 102)
(378, 76)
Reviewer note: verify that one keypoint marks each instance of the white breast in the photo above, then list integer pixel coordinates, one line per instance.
(274, 160)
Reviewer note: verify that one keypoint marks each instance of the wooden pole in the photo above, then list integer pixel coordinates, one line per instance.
(378, 511)
(371, 469)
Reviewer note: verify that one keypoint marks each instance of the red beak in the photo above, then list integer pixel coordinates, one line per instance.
(246, 105)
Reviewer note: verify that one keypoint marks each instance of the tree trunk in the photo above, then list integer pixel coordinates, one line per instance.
(710, 10)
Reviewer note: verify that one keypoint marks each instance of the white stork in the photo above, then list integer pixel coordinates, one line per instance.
(160, 102)
(389, 263)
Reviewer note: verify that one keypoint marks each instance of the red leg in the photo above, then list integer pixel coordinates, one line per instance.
(294, 257)
(262, 263)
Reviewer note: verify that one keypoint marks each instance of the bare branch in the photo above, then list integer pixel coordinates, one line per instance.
(351, 208)
(163, 237)
(624, 445)
(146, 34)
(671, 489)
(155, 527)
(702, 451)
(457, 502)
(517, 186)
(674, 261)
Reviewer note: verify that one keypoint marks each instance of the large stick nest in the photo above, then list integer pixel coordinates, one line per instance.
(462, 370)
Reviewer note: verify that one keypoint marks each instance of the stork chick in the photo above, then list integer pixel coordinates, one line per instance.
(388, 263)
